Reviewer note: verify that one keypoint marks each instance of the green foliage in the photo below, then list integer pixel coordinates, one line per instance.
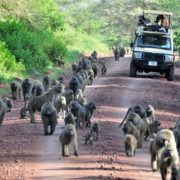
(8, 66)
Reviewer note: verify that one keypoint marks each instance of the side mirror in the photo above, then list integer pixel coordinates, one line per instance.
(131, 45)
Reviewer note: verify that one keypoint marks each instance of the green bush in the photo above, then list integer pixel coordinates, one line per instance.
(9, 68)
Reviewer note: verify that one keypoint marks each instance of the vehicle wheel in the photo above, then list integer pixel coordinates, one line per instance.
(133, 70)
(170, 75)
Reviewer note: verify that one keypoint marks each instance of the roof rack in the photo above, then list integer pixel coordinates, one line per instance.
(157, 12)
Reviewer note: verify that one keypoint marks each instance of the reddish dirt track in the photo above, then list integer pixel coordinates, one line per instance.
(26, 154)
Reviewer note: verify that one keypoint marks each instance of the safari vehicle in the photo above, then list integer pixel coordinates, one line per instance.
(153, 45)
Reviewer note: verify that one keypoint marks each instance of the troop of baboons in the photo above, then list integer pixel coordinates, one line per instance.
(52, 98)
(139, 124)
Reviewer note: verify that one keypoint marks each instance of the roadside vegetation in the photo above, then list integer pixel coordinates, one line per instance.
(35, 35)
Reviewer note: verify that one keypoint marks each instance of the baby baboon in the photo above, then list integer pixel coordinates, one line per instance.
(95, 131)
(24, 110)
(2, 111)
(129, 128)
(69, 119)
(60, 105)
(88, 139)
(49, 117)
(46, 83)
(103, 69)
(169, 157)
(80, 97)
(61, 79)
(130, 143)
(153, 129)
(162, 138)
(37, 88)
(27, 85)
(15, 89)
(36, 103)
(68, 137)
(175, 173)
(8, 103)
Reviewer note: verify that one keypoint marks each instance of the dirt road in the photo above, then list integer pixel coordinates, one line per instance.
(30, 155)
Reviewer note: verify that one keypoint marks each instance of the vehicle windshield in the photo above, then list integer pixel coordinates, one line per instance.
(154, 42)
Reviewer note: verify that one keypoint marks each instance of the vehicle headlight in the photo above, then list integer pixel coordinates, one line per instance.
(169, 58)
(138, 55)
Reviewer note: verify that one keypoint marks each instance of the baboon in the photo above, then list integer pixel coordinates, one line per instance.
(103, 69)
(15, 89)
(68, 137)
(27, 85)
(69, 119)
(8, 103)
(176, 131)
(24, 110)
(46, 83)
(88, 139)
(36, 103)
(49, 117)
(175, 173)
(116, 51)
(162, 138)
(90, 76)
(79, 112)
(169, 157)
(61, 79)
(60, 105)
(122, 52)
(89, 108)
(2, 111)
(74, 84)
(153, 129)
(37, 88)
(130, 143)
(150, 112)
(74, 68)
(95, 69)
(94, 55)
(80, 97)
(69, 95)
(95, 131)
(54, 82)
(60, 63)
(130, 128)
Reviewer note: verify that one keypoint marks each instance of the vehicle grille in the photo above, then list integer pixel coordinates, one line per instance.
(153, 57)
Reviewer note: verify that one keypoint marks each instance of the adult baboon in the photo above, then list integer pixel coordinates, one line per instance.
(150, 111)
(116, 51)
(103, 69)
(175, 173)
(74, 68)
(27, 85)
(69, 95)
(69, 119)
(74, 84)
(130, 143)
(61, 79)
(176, 131)
(130, 128)
(122, 52)
(15, 89)
(54, 82)
(162, 138)
(49, 117)
(8, 103)
(153, 129)
(60, 105)
(79, 96)
(46, 83)
(2, 111)
(89, 108)
(169, 157)
(37, 88)
(94, 55)
(36, 103)
(88, 138)
(95, 69)
(68, 137)
(95, 130)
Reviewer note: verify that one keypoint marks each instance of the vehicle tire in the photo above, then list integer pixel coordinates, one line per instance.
(133, 70)
(170, 75)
